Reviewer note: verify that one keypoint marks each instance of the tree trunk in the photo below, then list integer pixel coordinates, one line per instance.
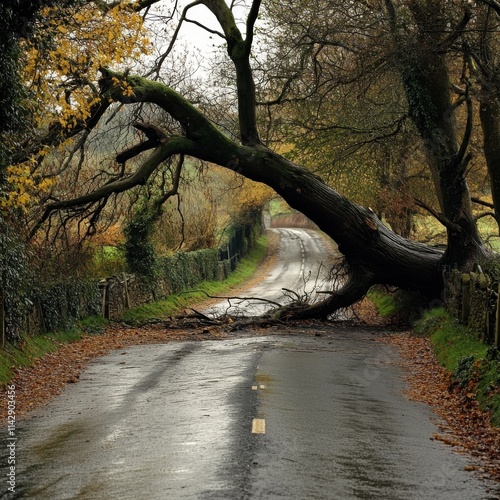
(374, 253)
(424, 73)
(490, 122)
(484, 54)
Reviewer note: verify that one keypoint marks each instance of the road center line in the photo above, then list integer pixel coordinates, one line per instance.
(258, 426)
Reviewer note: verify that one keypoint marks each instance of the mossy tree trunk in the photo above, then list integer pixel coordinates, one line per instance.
(374, 254)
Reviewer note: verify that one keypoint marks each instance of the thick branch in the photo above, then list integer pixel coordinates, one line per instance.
(239, 52)
(252, 18)
(139, 177)
(462, 159)
(457, 32)
(484, 214)
(155, 138)
(484, 203)
(137, 6)
(354, 290)
(192, 121)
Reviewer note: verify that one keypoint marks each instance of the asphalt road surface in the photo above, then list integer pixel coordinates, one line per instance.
(303, 266)
(278, 417)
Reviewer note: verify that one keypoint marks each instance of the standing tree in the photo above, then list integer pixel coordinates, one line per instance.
(421, 34)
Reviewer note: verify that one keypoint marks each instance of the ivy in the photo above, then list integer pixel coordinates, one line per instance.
(184, 270)
(15, 279)
(60, 305)
(139, 249)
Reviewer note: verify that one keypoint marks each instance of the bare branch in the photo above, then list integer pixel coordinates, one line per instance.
(252, 18)
(139, 177)
(137, 6)
(239, 53)
(484, 203)
(175, 185)
(494, 4)
(462, 159)
(484, 214)
(155, 137)
(457, 32)
(277, 304)
(161, 59)
(437, 215)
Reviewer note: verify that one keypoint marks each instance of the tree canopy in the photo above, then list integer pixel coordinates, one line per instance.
(404, 95)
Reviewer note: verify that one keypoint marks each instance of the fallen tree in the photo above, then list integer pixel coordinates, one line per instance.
(373, 253)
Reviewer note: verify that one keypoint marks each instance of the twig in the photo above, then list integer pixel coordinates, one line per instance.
(484, 214)
(277, 304)
(293, 293)
(203, 316)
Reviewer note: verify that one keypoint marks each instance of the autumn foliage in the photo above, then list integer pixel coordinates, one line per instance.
(59, 67)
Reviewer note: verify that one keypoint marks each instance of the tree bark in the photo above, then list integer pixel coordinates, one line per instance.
(490, 122)
(425, 77)
(484, 64)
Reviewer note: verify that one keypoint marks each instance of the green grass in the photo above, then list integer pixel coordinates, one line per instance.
(399, 305)
(30, 347)
(488, 229)
(108, 260)
(474, 365)
(386, 305)
(175, 303)
(451, 341)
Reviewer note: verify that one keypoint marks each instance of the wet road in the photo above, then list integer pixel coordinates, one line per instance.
(303, 266)
(292, 416)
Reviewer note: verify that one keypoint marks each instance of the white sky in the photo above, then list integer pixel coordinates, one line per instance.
(193, 36)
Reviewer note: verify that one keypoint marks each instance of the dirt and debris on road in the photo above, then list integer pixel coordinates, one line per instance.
(463, 425)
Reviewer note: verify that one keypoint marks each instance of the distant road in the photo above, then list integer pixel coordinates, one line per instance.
(303, 265)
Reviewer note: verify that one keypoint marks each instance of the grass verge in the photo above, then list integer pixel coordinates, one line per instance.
(173, 304)
(475, 367)
(32, 347)
(397, 306)
(386, 305)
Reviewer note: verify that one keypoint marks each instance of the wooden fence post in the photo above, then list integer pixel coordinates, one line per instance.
(105, 299)
(126, 296)
(466, 284)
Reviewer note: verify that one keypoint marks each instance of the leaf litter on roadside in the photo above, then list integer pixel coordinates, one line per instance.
(462, 423)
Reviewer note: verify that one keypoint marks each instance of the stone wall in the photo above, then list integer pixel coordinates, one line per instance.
(473, 298)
